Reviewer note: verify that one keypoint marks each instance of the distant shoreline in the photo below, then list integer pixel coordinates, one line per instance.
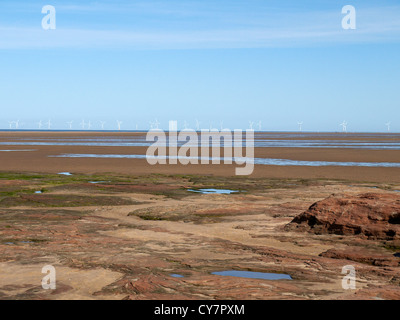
(255, 131)
(40, 160)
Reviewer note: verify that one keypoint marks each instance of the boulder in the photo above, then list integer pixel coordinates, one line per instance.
(374, 215)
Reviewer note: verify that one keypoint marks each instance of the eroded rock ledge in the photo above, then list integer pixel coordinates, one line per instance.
(373, 215)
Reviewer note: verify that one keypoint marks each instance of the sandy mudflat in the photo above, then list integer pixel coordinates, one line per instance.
(125, 235)
(38, 160)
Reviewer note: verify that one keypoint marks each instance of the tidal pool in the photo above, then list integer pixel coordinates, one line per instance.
(65, 173)
(253, 275)
(217, 191)
(23, 150)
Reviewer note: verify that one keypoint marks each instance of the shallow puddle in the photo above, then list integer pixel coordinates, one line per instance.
(175, 275)
(24, 150)
(216, 191)
(65, 173)
(253, 275)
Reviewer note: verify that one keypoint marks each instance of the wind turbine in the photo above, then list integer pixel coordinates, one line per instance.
(119, 124)
(259, 125)
(185, 125)
(39, 124)
(83, 124)
(89, 125)
(69, 123)
(300, 123)
(251, 124)
(102, 123)
(154, 125)
(344, 125)
(197, 125)
(11, 123)
(48, 124)
(221, 124)
(388, 126)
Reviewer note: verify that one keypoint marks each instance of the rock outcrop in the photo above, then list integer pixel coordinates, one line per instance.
(363, 255)
(374, 215)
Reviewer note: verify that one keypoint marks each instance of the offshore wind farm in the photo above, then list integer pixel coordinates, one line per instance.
(144, 126)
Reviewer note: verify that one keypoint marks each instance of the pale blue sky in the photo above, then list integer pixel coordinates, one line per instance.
(233, 61)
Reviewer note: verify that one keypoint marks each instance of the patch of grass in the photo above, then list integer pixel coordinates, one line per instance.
(15, 192)
(176, 194)
(41, 200)
(392, 247)
(56, 179)
(21, 176)
(149, 217)
(144, 214)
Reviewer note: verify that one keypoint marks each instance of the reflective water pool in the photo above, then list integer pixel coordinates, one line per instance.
(65, 173)
(266, 140)
(217, 191)
(262, 161)
(22, 150)
(253, 275)
(175, 275)
(96, 182)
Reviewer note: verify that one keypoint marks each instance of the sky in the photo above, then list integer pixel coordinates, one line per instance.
(222, 63)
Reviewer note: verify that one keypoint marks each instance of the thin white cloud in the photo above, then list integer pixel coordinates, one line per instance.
(314, 28)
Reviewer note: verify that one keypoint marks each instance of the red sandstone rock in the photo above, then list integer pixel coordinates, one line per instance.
(363, 256)
(375, 215)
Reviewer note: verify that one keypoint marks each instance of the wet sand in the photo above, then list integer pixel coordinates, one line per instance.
(39, 160)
